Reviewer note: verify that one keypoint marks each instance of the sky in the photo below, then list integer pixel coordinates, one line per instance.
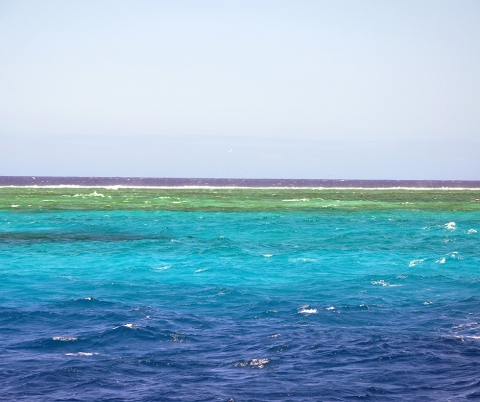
(258, 89)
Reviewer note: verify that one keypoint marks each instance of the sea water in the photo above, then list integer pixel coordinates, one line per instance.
(217, 294)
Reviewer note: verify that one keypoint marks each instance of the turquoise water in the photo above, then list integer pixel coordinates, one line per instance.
(239, 295)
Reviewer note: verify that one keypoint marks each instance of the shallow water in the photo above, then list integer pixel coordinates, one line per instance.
(219, 294)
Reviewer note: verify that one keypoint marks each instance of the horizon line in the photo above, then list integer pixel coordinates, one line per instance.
(186, 182)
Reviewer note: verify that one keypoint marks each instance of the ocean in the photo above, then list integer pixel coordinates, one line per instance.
(204, 290)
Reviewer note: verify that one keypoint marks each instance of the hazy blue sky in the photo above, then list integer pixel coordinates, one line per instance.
(308, 89)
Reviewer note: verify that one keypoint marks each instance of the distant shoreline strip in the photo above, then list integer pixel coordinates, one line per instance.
(199, 183)
(244, 188)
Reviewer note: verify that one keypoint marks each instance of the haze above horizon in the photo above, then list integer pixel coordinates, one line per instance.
(344, 89)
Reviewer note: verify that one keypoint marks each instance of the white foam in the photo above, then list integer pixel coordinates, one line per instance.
(297, 200)
(303, 259)
(416, 262)
(94, 194)
(462, 337)
(427, 303)
(162, 268)
(274, 336)
(268, 255)
(14, 206)
(451, 226)
(441, 260)
(380, 282)
(330, 308)
(466, 325)
(64, 338)
(258, 363)
(81, 354)
(131, 326)
(307, 310)
(471, 231)
(209, 187)
(201, 270)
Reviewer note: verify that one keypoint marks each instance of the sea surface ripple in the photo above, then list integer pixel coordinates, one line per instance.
(239, 295)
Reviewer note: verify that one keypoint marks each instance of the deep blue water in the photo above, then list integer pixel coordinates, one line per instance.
(326, 305)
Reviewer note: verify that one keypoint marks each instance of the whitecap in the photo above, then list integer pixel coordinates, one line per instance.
(297, 200)
(268, 255)
(81, 354)
(201, 270)
(302, 259)
(94, 194)
(330, 308)
(128, 325)
(463, 337)
(441, 260)
(380, 282)
(162, 268)
(258, 363)
(64, 338)
(210, 187)
(416, 262)
(427, 303)
(465, 325)
(451, 226)
(274, 336)
(307, 310)
(14, 206)
(471, 231)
